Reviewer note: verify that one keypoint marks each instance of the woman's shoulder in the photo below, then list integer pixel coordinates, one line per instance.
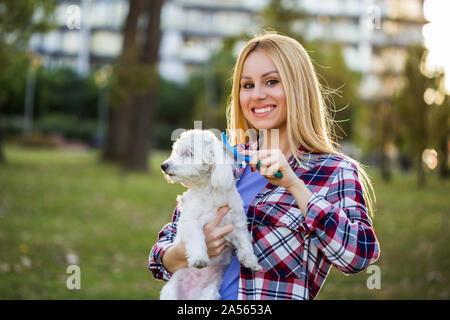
(336, 161)
(327, 164)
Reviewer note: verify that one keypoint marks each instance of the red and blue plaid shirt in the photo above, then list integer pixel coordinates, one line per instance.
(295, 252)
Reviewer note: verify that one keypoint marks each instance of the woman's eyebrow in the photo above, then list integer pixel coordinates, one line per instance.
(262, 76)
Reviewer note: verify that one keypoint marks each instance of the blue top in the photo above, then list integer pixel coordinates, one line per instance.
(250, 184)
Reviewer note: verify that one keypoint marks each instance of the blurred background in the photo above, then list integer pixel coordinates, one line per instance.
(92, 90)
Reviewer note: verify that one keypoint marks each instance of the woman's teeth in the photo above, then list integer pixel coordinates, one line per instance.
(263, 110)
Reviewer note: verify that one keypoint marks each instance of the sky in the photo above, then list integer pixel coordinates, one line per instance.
(436, 36)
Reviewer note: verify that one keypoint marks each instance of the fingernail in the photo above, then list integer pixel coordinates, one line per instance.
(259, 164)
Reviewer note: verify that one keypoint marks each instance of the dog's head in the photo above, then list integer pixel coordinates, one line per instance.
(198, 158)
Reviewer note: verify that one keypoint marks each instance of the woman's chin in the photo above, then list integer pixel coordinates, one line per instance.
(264, 124)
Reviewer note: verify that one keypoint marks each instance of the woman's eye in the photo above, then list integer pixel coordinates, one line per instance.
(272, 82)
(247, 85)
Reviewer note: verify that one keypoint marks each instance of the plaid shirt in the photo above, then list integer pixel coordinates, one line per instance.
(297, 252)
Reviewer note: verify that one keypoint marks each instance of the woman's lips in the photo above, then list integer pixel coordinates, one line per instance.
(263, 111)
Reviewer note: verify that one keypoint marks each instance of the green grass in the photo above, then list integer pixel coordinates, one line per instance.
(55, 202)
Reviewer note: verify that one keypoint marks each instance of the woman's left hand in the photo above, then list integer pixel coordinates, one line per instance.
(272, 160)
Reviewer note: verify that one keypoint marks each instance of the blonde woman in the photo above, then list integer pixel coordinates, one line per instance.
(316, 215)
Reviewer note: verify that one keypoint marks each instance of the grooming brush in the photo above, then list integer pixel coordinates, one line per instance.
(240, 157)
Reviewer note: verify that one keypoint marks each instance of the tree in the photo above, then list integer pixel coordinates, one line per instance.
(18, 21)
(134, 90)
(412, 111)
(439, 126)
(123, 84)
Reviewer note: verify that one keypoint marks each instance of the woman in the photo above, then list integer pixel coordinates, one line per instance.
(316, 214)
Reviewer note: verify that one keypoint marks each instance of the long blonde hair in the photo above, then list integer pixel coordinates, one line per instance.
(309, 122)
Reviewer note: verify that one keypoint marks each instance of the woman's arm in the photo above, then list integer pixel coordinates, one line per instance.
(339, 222)
(175, 257)
(301, 195)
(166, 238)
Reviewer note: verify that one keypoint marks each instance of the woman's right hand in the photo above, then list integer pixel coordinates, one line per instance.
(175, 259)
(215, 234)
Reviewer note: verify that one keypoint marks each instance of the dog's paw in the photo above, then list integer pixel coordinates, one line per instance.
(256, 268)
(199, 262)
(251, 263)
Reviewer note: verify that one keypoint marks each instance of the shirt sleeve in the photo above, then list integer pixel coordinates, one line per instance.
(166, 238)
(339, 224)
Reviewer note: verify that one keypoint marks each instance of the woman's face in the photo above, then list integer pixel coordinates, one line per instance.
(261, 93)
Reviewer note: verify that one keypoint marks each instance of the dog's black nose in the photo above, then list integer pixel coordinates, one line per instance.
(164, 166)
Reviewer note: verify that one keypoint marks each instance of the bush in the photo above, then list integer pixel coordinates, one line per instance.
(11, 126)
(34, 140)
(69, 126)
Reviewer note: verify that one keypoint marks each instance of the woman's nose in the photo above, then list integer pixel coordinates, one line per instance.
(259, 93)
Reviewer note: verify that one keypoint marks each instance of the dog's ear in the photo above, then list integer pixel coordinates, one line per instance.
(222, 174)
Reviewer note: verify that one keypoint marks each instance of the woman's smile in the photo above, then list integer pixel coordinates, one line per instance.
(264, 110)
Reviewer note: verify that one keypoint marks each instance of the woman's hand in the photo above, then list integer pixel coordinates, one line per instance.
(271, 161)
(215, 234)
(175, 259)
(274, 160)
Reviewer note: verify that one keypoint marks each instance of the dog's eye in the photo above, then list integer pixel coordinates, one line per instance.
(186, 153)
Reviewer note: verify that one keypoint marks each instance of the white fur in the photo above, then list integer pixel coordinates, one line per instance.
(199, 163)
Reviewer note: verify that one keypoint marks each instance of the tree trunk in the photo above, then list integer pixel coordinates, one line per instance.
(421, 177)
(443, 157)
(139, 135)
(120, 113)
(444, 141)
(385, 116)
(2, 155)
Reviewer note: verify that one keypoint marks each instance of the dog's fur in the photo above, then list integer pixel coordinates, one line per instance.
(199, 162)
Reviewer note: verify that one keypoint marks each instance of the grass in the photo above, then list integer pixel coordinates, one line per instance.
(59, 208)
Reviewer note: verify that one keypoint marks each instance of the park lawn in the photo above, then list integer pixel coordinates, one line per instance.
(59, 208)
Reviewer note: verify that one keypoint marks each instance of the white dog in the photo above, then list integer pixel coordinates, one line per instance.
(199, 162)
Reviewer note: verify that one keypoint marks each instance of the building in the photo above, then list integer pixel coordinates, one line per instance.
(89, 33)
(374, 34)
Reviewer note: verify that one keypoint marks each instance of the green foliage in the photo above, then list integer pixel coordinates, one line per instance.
(13, 87)
(410, 106)
(174, 108)
(11, 126)
(340, 86)
(216, 77)
(64, 102)
(64, 91)
(69, 126)
(18, 21)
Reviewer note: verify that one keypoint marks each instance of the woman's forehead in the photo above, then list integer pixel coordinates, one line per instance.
(258, 64)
